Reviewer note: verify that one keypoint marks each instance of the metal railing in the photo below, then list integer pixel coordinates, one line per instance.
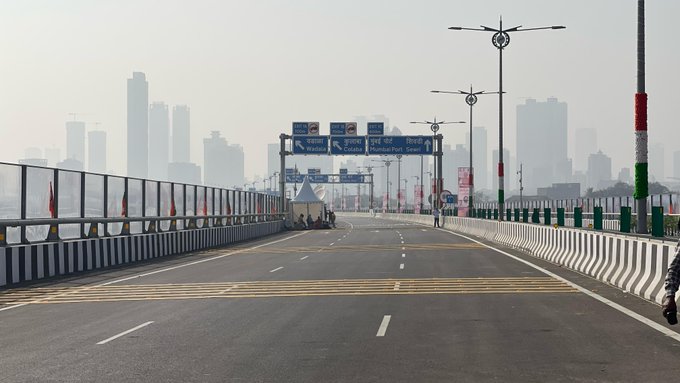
(40, 203)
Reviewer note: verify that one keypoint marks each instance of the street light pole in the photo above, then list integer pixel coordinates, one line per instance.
(641, 166)
(398, 183)
(437, 153)
(500, 40)
(471, 100)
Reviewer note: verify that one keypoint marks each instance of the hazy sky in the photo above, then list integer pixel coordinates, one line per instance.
(248, 68)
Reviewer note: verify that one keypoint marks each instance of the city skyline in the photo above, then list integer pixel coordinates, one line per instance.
(237, 84)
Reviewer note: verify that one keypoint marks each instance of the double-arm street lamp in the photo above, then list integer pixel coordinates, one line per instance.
(470, 99)
(438, 152)
(500, 40)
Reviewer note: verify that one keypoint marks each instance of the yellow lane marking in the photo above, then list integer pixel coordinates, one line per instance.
(263, 289)
(368, 248)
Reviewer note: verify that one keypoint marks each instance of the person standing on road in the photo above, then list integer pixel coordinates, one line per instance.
(435, 213)
(668, 307)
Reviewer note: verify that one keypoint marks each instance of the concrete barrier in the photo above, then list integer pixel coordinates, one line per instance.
(36, 261)
(634, 264)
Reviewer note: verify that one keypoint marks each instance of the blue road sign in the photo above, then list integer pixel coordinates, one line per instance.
(407, 145)
(376, 128)
(343, 128)
(450, 198)
(313, 171)
(318, 178)
(351, 179)
(290, 170)
(293, 178)
(305, 128)
(310, 144)
(343, 170)
(348, 145)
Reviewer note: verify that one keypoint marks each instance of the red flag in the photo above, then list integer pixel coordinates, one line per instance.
(205, 208)
(124, 205)
(173, 211)
(51, 203)
(259, 207)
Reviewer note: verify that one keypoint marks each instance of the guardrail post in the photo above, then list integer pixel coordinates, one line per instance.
(625, 219)
(560, 216)
(547, 216)
(82, 205)
(508, 215)
(597, 218)
(578, 217)
(495, 214)
(516, 214)
(525, 215)
(535, 218)
(126, 225)
(657, 221)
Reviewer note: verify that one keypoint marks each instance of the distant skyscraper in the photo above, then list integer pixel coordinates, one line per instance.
(624, 175)
(676, 165)
(657, 162)
(181, 136)
(75, 141)
(509, 169)
(541, 141)
(223, 163)
(599, 171)
(138, 126)
(273, 158)
(159, 141)
(53, 156)
(96, 151)
(33, 153)
(184, 172)
(480, 154)
(585, 144)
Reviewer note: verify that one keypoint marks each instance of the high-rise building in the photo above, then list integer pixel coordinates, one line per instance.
(159, 141)
(184, 172)
(676, 165)
(137, 126)
(599, 171)
(585, 144)
(508, 170)
(181, 137)
(480, 154)
(96, 151)
(657, 163)
(541, 141)
(75, 141)
(223, 163)
(53, 156)
(624, 175)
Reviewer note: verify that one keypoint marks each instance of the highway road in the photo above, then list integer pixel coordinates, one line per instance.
(370, 301)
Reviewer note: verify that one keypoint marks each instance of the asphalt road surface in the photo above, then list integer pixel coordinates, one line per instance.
(370, 301)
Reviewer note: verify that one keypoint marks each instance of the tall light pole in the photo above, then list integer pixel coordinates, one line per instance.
(641, 166)
(419, 180)
(470, 99)
(431, 198)
(405, 192)
(398, 183)
(387, 183)
(434, 127)
(500, 40)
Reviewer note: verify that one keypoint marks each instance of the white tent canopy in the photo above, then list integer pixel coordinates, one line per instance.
(306, 203)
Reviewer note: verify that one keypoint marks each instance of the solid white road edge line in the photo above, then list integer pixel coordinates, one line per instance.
(383, 325)
(276, 269)
(125, 333)
(666, 331)
(303, 258)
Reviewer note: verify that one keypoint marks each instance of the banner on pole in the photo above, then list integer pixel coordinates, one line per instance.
(463, 191)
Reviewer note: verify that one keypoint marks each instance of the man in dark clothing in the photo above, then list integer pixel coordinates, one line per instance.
(668, 307)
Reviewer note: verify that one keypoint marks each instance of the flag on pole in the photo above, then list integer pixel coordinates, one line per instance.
(124, 205)
(51, 203)
(205, 207)
(173, 211)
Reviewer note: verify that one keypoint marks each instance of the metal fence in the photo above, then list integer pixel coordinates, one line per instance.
(39, 203)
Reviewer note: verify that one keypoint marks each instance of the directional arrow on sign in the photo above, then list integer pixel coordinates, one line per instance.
(299, 145)
(337, 145)
(427, 145)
